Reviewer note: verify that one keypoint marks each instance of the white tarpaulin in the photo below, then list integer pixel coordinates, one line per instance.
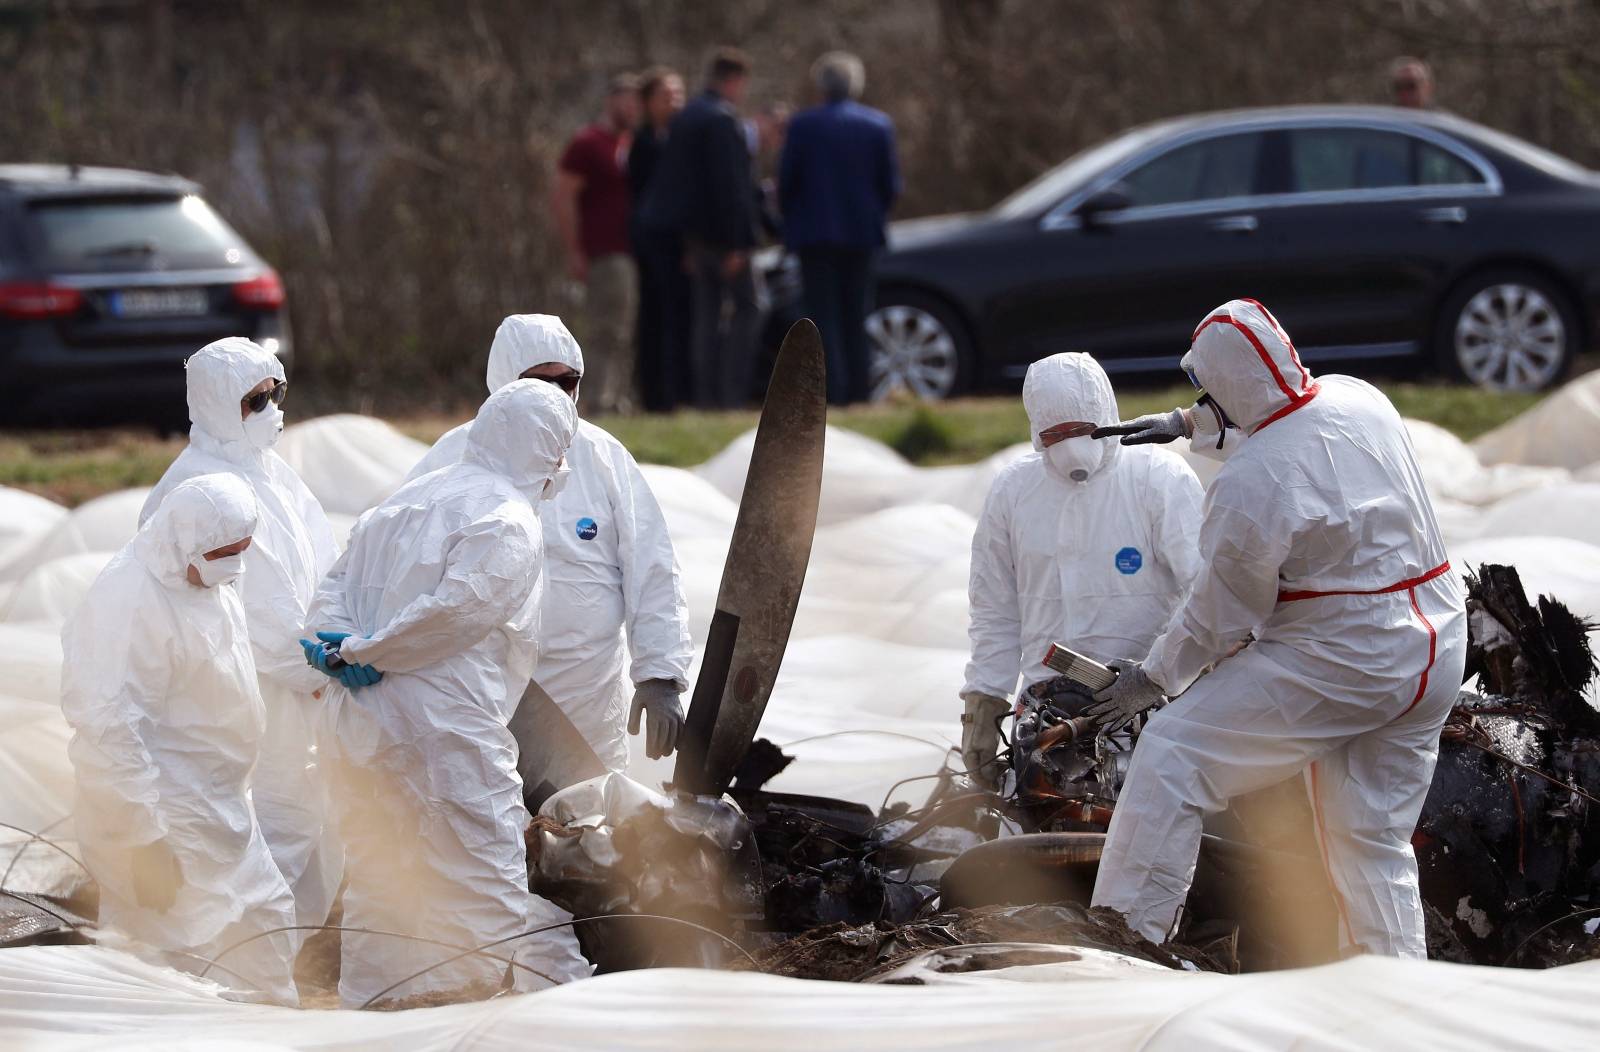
(62, 998)
(1561, 431)
(866, 699)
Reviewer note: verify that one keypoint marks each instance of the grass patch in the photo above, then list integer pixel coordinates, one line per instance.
(73, 466)
(70, 467)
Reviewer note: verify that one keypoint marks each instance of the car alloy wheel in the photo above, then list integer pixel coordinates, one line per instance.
(1511, 337)
(912, 350)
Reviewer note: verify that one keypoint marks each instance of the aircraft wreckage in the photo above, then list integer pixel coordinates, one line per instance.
(719, 872)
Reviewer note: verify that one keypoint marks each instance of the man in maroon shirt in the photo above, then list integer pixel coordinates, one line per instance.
(591, 212)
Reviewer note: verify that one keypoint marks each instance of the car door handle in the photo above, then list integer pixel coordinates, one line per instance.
(1235, 224)
(1452, 215)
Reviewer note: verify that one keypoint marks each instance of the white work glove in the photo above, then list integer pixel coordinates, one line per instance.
(1157, 427)
(1131, 694)
(659, 698)
(980, 736)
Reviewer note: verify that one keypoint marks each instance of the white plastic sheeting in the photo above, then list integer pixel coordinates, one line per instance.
(1561, 431)
(350, 462)
(24, 518)
(68, 998)
(866, 698)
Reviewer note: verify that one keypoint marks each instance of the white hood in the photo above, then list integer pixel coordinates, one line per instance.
(522, 431)
(1244, 360)
(525, 340)
(200, 515)
(219, 375)
(1070, 387)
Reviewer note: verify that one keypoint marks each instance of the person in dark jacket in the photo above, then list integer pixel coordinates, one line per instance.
(664, 292)
(836, 182)
(704, 189)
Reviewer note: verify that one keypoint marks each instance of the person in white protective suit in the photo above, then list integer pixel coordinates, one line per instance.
(1081, 542)
(159, 686)
(235, 388)
(609, 564)
(1317, 536)
(439, 592)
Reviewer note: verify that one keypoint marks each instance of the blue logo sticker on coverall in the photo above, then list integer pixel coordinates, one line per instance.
(1129, 560)
(588, 529)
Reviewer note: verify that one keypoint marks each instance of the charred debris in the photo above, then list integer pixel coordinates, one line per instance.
(1508, 845)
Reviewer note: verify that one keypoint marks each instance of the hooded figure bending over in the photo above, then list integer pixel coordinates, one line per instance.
(1319, 537)
(159, 686)
(439, 592)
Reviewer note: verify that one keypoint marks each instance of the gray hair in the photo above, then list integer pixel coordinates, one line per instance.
(839, 75)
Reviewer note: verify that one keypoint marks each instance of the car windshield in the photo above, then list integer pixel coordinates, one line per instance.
(1064, 178)
(132, 233)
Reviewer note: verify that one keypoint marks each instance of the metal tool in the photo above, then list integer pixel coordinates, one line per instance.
(1084, 671)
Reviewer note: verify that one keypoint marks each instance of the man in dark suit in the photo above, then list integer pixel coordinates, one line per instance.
(837, 180)
(664, 293)
(704, 189)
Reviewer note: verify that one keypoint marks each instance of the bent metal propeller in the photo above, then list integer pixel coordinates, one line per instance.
(766, 567)
(767, 558)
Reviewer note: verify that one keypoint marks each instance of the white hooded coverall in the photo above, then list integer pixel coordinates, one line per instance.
(609, 561)
(1098, 565)
(1319, 536)
(293, 547)
(439, 588)
(159, 686)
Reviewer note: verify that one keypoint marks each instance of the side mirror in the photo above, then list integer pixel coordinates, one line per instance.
(1097, 206)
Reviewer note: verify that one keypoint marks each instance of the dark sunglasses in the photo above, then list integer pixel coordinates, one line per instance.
(568, 383)
(258, 401)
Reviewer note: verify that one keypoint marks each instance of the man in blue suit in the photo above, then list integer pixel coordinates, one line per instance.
(836, 182)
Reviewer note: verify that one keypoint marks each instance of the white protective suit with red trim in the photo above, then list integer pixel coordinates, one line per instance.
(1319, 537)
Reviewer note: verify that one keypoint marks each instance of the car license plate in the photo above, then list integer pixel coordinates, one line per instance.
(159, 303)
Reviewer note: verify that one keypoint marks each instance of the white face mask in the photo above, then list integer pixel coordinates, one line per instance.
(556, 483)
(1076, 458)
(262, 429)
(219, 571)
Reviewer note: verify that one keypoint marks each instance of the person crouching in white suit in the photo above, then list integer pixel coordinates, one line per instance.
(433, 611)
(159, 686)
(609, 565)
(1081, 542)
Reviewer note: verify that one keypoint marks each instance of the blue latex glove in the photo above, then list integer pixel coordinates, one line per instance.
(324, 656)
(355, 677)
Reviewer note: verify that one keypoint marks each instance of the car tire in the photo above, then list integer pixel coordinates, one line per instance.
(1507, 330)
(918, 344)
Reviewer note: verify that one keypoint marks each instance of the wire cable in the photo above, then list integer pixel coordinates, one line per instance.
(562, 924)
(374, 931)
(33, 838)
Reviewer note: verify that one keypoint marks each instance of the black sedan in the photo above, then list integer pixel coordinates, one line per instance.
(1372, 233)
(109, 279)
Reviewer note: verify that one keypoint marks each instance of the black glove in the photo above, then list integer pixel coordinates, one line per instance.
(1157, 427)
(658, 697)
